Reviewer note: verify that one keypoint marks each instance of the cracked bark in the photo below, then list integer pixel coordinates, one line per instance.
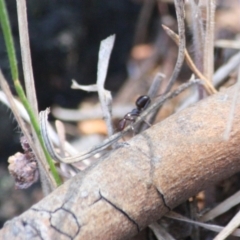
(137, 184)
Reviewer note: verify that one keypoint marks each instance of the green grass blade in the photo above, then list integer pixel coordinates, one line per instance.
(5, 24)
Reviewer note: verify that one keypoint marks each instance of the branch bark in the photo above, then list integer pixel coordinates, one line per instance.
(137, 184)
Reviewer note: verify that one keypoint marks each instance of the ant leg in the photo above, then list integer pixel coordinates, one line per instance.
(145, 122)
(133, 130)
(148, 123)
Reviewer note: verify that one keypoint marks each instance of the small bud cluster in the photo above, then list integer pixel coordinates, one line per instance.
(23, 166)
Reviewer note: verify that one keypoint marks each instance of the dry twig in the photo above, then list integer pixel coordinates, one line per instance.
(162, 167)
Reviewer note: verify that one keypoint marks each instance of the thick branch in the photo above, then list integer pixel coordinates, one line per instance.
(138, 183)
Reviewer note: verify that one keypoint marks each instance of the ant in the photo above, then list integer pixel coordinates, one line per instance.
(141, 103)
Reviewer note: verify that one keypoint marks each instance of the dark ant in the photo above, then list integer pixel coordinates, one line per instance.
(141, 103)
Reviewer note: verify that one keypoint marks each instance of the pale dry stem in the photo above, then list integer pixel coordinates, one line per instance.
(207, 83)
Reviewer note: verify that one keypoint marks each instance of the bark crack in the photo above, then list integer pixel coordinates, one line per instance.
(97, 200)
(55, 227)
(74, 217)
(163, 198)
(38, 233)
(120, 210)
(61, 232)
(152, 169)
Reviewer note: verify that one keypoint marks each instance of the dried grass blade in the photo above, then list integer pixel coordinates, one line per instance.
(218, 78)
(222, 207)
(160, 232)
(212, 227)
(230, 228)
(61, 135)
(198, 33)
(26, 55)
(20, 108)
(179, 6)
(105, 97)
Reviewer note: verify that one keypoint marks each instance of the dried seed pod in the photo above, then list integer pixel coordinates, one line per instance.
(23, 166)
(24, 171)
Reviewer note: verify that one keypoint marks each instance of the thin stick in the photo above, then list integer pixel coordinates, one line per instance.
(208, 59)
(198, 33)
(226, 43)
(179, 6)
(207, 83)
(94, 112)
(26, 55)
(232, 110)
(197, 28)
(156, 85)
(225, 69)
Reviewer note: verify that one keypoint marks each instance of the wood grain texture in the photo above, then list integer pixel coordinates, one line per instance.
(137, 184)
